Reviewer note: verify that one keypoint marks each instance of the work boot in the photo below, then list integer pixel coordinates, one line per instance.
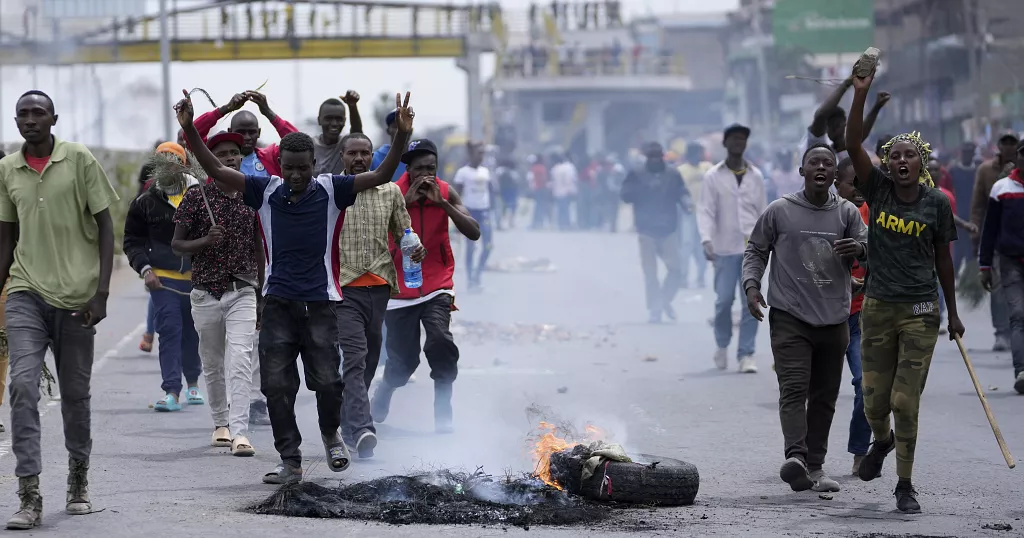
(30, 514)
(906, 498)
(78, 488)
(443, 407)
(871, 465)
(380, 404)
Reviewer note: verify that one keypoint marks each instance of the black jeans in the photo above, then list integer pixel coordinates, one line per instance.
(360, 321)
(404, 342)
(809, 364)
(1012, 272)
(288, 329)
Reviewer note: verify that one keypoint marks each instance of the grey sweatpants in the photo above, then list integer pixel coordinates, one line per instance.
(32, 327)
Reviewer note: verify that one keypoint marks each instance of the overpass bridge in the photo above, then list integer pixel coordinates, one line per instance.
(247, 30)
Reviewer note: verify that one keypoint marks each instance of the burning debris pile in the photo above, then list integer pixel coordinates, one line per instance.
(602, 471)
(572, 483)
(439, 498)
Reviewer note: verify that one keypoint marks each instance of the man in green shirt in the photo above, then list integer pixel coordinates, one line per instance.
(57, 246)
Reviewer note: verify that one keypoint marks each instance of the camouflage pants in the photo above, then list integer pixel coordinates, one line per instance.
(897, 340)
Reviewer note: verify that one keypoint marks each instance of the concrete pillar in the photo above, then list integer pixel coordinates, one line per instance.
(470, 63)
(595, 127)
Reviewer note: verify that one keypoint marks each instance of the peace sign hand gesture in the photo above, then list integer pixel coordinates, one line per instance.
(404, 115)
(185, 111)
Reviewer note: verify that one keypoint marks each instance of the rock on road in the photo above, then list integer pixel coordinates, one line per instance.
(654, 388)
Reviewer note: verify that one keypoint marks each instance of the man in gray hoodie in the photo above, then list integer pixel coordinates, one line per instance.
(814, 236)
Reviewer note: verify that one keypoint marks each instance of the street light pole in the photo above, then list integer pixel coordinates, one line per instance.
(762, 72)
(165, 67)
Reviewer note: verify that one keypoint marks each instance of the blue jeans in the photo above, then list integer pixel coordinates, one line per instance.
(150, 318)
(179, 342)
(727, 281)
(860, 431)
(474, 267)
(692, 249)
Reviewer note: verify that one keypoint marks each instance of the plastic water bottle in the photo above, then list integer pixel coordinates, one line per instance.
(413, 273)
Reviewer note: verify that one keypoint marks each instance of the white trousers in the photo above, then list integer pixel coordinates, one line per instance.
(227, 330)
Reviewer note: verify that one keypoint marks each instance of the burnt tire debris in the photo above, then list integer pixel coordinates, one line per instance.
(652, 480)
(438, 498)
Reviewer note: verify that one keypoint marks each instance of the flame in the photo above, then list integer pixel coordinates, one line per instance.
(548, 442)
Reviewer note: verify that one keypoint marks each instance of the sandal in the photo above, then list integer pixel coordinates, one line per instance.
(338, 455)
(283, 474)
(146, 345)
(167, 404)
(221, 437)
(240, 447)
(194, 397)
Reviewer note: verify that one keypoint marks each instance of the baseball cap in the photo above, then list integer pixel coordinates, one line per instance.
(417, 147)
(390, 118)
(224, 136)
(735, 128)
(1008, 136)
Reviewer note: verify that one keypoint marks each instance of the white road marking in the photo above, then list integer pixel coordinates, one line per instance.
(5, 445)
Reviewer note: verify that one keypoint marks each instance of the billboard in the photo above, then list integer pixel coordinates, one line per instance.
(824, 26)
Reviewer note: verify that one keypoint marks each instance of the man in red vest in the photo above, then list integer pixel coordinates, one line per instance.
(431, 203)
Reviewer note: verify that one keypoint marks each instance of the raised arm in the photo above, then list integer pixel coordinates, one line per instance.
(862, 164)
(383, 173)
(206, 122)
(351, 99)
(869, 122)
(820, 122)
(233, 179)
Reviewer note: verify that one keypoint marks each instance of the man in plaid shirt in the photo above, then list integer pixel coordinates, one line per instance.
(368, 279)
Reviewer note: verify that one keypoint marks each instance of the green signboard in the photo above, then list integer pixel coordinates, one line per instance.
(824, 26)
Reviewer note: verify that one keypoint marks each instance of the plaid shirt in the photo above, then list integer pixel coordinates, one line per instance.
(363, 243)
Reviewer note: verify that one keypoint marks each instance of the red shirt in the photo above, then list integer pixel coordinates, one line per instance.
(270, 156)
(37, 163)
(952, 198)
(858, 271)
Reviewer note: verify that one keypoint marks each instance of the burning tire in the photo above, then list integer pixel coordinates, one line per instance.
(653, 480)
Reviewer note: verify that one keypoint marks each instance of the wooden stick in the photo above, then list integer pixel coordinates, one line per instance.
(984, 403)
(206, 202)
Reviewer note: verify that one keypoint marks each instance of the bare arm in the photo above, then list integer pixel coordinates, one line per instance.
(233, 179)
(467, 225)
(869, 121)
(862, 164)
(354, 118)
(386, 170)
(181, 246)
(830, 103)
(106, 232)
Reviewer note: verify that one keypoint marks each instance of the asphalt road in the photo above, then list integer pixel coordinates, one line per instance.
(653, 387)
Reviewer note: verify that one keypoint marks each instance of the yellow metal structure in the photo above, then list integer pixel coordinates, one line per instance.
(270, 30)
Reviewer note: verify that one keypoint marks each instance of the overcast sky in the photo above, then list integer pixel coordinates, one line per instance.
(133, 117)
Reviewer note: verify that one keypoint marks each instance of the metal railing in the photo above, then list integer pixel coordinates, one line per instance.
(543, 63)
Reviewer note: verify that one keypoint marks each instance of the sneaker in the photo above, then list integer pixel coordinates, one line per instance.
(856, 465)
(906, 498)
(1018, 386)
(365, 444)
(822, 483)
(380, 403)
(670, 312)
(722, 358)
(655, 318)
(871, 466)
(747, 365)
(1002, 344)
(283, 474)
(794, 473)
(258, 413)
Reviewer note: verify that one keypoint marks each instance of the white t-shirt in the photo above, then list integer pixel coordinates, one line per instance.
(474, 186)
(564, 178)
